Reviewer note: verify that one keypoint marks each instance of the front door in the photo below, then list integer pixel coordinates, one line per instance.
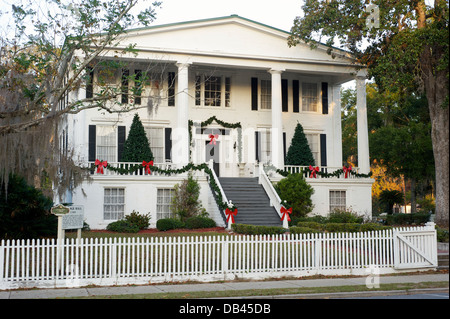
(212, 153)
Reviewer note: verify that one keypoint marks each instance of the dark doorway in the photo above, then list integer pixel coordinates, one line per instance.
(212, 153)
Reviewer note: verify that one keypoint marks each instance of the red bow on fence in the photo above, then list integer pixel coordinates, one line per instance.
(147, 166)
(213, 138)
(313, 170)
(347, 170)
(230, 214)
(286, 213)
(100, 165)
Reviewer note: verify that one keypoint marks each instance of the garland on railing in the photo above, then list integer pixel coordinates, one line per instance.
(346, 171)
(148, 166)
(236, 125)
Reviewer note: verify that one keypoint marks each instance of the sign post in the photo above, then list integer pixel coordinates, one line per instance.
(60, 211)
(74, 219)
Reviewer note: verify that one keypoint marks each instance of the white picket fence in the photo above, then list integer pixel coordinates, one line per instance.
(116, 261)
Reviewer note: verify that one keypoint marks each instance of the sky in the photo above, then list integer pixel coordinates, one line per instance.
(279, 14)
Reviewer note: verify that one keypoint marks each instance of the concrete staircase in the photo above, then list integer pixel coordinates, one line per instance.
(251, 200)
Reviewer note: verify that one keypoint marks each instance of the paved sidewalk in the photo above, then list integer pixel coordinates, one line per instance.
(236, 286)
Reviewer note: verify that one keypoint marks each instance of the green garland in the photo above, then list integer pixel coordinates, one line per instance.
(336, 173)
(132, 168)
(236, 125)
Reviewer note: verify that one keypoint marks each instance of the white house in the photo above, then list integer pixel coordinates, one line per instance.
(257, 87)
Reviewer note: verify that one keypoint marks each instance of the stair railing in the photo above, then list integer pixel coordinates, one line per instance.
(275, 200)
(224, 197)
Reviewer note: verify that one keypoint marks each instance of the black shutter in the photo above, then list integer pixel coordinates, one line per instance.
(138, 86)
(284, 95)
(324, 98)
(284, 145)
(323, 149)
(258, 146)
(254, 94)
(121, 136)
(168, 143)
(90, 83)
(171, 91)
(296, 95)
(92, 143)
(125, 75)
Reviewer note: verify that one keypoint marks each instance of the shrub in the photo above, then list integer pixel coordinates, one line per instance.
(257, 230)
(25, 211)
(122, 226)
(341, 227)
(141, 221)
(302, 230)
(168, 224)
(297, 192)
(313, 225)
(199, 222)
(407, 219)
(185, 201)
(344, 216)
(442, 235)
(372, 227)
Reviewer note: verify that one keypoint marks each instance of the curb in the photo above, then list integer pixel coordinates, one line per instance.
(337, 295)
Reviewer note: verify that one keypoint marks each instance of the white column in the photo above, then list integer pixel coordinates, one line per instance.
(362, 127)
(277, 121)
(337, 126)
(180, 134)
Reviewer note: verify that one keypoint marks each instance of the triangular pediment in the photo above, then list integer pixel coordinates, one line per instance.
(227, 36)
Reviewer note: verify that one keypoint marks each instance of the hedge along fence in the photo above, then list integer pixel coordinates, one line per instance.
(115, 261)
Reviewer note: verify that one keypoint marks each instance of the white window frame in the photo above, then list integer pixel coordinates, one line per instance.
(100, 144)
(161, 148)
(119, 214)
(315, 148)
(226, 84)
(318, 99)
(265, 94)
(162, 203)
(332, 200)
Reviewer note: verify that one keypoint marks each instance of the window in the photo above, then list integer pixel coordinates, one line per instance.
(309, 97)
(106, 143)
(266, 146)
(212, 91)
(114, 203)
(163, 203)
(313, 142)
(266, 94)
(337, 200)
(156, 140)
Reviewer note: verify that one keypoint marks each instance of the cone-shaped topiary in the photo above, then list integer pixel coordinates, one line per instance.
(299, 152)
(136, 147)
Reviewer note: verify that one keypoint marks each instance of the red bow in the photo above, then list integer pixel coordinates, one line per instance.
(213, 138)
(313, 171)
(147, 166)
(230, 214)
(347, 170)
(285, 211)
(100, 165)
